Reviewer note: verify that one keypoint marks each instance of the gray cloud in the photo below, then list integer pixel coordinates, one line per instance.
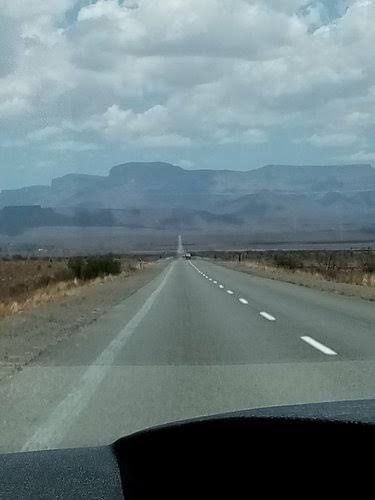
(9, 46)
(187, 74)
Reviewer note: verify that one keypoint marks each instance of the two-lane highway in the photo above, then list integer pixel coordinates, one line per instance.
(198, 339)
(346, 325)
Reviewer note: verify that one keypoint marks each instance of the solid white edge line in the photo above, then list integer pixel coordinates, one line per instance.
(267, 316)
(243, 301)
(52, 431)
(321, 347)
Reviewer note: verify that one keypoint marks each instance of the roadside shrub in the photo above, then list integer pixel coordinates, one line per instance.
(18, 289)
(76, 265)
(101, 266)
(63, 275)
(93, 267)
(368, 263)
(129, 266)
(44, 281)
(286, 260)
(17, 257)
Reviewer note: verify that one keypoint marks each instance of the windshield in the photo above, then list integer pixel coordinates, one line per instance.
(187, 207)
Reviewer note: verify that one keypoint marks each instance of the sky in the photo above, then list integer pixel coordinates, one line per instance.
(236, 84)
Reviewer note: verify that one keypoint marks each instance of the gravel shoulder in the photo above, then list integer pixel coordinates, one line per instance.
(26, 335)
(302, 279)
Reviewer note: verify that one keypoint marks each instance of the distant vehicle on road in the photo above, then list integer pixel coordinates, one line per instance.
(188, 256)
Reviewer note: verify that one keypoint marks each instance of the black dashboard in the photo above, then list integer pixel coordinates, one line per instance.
(295, 451)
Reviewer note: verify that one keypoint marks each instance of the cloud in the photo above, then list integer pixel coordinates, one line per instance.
(249, 136)
(338, 140)
(77, 76)
(190, 28)
(43, 134)
(13, 106)
(363, 156)
(17, 9)
(152, 128)
(8, 43)
(72, 146)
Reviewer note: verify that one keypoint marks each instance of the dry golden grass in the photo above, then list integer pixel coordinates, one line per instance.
(20, 277)
(36, 298)
(27, 283)
(353, 267)
(349, 276)
(350, 282)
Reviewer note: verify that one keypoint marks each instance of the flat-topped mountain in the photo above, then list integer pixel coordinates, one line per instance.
(164, 185)
(275, 199)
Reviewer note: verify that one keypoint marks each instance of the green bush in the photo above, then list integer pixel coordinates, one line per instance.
(93, 267)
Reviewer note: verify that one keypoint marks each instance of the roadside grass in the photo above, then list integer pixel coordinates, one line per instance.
(28, 282)
(355, 267)
(346, 272)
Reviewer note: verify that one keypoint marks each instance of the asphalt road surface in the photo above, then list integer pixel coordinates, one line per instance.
(198, 339)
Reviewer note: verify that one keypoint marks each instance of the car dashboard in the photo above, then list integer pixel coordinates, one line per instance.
(299, 450)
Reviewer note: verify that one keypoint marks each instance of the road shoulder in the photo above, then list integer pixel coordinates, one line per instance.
(26, 335)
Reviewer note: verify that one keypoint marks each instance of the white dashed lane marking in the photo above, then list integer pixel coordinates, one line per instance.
(309, 340)
(267, 316)
(321, 347)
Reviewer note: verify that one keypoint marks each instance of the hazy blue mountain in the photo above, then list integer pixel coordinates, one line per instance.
(164, 196)
(164, 185)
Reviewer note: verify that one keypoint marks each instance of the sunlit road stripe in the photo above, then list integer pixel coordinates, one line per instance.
(267, 316)
(321, 347)
(215, 282)
(243, 301)
(221, 286)
(230, 292)
(210, 279)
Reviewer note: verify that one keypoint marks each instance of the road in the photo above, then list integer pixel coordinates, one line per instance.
(196, 340)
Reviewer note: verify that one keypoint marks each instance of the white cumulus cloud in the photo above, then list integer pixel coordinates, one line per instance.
(188, 74)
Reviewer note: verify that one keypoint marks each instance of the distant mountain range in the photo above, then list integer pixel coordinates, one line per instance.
(274, 198)
(144, 185)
